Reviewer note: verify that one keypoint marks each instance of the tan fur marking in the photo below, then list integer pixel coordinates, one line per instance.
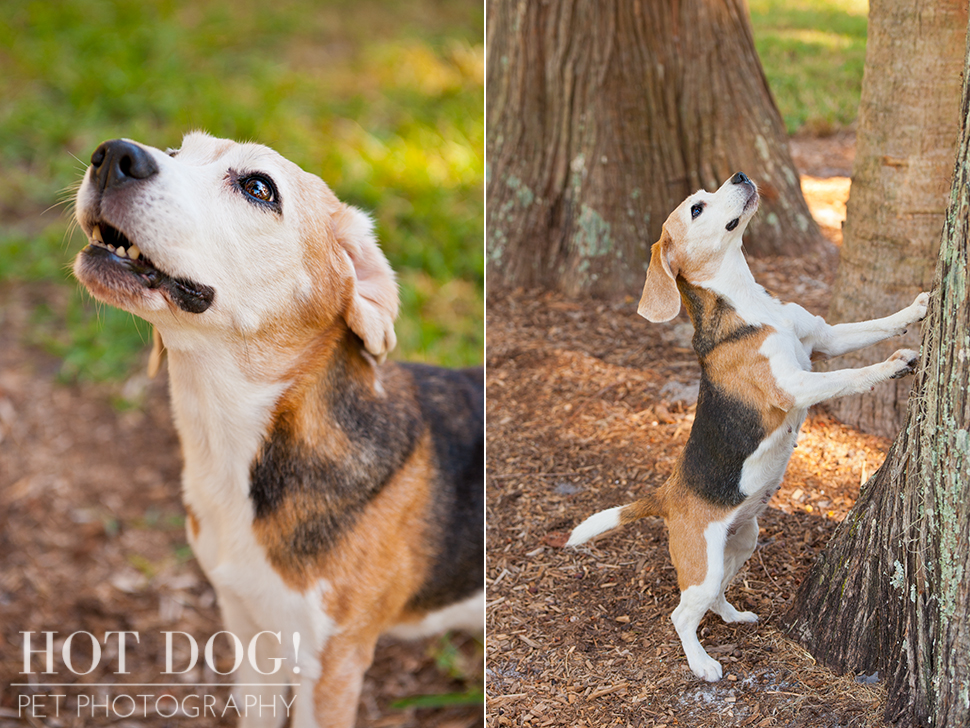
(738, 366)
(306, 400)
(342, 666)
(650, 505)
(376, 567)
(384, 561)
(742, 371)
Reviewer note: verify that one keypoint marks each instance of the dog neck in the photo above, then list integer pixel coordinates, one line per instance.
(225, 402)
(734, 283)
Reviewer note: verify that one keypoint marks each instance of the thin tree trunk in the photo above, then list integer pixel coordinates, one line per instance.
(603, 116)
(906, 141)
(891, 592)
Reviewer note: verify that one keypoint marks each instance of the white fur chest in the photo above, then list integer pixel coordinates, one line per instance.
(221, 419)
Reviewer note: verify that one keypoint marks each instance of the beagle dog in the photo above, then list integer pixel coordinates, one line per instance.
(330, 496)
(756, 386)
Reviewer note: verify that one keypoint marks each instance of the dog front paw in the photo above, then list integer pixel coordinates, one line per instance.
(920, 306)
(902, 362)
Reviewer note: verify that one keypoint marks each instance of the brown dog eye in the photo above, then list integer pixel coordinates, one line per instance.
(258, 188)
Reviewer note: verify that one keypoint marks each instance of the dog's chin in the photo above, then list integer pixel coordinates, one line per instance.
(748, 209)
(751, 204)
(115, 271)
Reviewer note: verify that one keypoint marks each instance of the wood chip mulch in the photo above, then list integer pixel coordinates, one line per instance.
(92, 538)
(588, 405)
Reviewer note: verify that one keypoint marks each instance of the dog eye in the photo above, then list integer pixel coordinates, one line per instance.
(696, 210)
(258, 188)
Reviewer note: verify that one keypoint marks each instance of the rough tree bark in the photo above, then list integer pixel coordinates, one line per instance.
(906, 141)
(603, 116)
(891, 592)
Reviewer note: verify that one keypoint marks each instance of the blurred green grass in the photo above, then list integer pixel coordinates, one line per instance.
(813, 53)
(383, 99)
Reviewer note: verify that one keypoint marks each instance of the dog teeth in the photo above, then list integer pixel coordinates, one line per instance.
(97, 238)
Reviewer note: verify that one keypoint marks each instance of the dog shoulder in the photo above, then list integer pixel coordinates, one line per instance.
(452, 400)
(410, 451)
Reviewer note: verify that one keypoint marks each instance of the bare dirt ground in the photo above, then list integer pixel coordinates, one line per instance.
(588, 405)
(92, 538)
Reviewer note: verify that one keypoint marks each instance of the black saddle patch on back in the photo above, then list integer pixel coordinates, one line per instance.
(725, 433)
(453, 403)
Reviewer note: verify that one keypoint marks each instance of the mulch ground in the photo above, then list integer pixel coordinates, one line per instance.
(92, 538)
(588, 406)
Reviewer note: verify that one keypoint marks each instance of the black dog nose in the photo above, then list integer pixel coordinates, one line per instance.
(740, 179)
(117, 162)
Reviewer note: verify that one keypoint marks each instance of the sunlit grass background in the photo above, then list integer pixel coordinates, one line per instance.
(813, 53)
(381, 98)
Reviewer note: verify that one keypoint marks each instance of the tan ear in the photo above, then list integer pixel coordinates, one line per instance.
(157, 355)
(374, 299)
(660, 300)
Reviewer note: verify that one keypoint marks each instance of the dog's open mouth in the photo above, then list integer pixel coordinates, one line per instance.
(118, 262)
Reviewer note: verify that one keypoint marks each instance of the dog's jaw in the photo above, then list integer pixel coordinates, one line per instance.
(737, 225)
(117, 272)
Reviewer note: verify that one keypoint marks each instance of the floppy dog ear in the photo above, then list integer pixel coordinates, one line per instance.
(374, 299)
(660, 300)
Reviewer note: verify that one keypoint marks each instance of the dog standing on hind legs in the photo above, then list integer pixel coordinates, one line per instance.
(757, 384)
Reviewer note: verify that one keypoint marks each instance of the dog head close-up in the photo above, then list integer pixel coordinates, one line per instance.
(695, 238)
(219, 237)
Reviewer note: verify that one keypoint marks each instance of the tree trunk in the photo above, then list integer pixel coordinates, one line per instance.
(906, 141)
(891, 592)
(603, 116)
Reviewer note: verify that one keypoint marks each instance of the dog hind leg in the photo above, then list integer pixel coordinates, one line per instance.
(697, 598)
(738, 549)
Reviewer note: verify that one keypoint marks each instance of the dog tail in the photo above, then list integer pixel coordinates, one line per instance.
(611, 518)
